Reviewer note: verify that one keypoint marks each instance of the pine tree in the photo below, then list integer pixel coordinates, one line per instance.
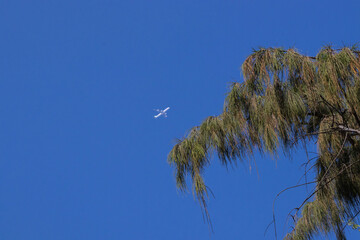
(288, 99)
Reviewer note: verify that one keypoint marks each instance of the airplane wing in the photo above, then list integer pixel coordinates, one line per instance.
(156, 116)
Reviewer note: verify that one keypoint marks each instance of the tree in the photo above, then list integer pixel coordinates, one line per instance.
(288, 99)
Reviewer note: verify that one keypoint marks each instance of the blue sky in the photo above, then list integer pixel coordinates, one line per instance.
(81, 156)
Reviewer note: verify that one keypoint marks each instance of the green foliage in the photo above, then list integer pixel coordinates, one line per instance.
(288, 99)
(354, 225)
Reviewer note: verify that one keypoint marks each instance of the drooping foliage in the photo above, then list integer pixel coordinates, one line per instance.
(287, 99)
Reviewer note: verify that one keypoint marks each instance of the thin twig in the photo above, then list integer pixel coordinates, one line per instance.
(334, 160)
(288, 188)
(322, 186)
(351, 219)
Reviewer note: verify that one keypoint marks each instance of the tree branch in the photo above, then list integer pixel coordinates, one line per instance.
(346, 129)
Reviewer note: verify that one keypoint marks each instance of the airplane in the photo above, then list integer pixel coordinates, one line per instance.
(161, 112)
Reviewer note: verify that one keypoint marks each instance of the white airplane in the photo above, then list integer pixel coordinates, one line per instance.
(161, 112)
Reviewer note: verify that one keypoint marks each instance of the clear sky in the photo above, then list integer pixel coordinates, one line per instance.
(81, 156)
